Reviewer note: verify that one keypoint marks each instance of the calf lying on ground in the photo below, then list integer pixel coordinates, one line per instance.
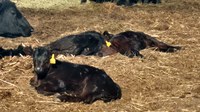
(73, 82)
(12, 22)
(129, 43)
(86, 43)
(21, 50)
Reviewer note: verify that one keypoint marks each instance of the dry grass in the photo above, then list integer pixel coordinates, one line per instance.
(159, 82)
(47, 4)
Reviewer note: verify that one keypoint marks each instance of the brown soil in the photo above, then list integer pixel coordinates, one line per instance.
(159, 82)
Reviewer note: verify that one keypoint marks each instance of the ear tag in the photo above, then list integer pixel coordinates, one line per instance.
(52, 60)
(108, 44)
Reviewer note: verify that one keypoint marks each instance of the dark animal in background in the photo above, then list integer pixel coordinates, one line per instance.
(86, 43)
(21, 50)
(118, 2)
(129, 43)
(73, 82)
(151, 1)
(12, 22)
(97, 1)
(3, 0)
(124, 2)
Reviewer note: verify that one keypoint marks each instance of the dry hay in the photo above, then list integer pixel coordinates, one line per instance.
(159, 82)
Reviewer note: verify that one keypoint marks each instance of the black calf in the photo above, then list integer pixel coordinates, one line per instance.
(86, 43)
(21, 50)
(73, 82)
(129, 43)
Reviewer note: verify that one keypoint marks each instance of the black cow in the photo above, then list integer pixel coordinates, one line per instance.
(85, 43)
(129, 43)
(12, 22)
(21, 50)
(73, 82)
(151, 1)
(124, 2)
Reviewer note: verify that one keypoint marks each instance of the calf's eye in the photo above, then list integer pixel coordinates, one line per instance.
(13, 12)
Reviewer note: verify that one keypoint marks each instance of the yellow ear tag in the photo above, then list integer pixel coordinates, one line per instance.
(108, 44)
(52, 60)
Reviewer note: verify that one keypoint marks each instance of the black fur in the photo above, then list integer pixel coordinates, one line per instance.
(151, 1)
(86, 43)
(73, 82)
(21, 50)
(129, 43)
(12, 22)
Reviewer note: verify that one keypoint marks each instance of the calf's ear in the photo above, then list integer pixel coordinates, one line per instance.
(28, 50)
(107, 35)
(33, 52)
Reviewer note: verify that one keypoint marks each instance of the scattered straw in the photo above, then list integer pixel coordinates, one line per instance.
(9, 83)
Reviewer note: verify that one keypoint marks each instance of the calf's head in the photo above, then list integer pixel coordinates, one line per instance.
(41, 62)
(12, 22)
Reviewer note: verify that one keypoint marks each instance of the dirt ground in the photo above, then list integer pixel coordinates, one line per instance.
(158, 82)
